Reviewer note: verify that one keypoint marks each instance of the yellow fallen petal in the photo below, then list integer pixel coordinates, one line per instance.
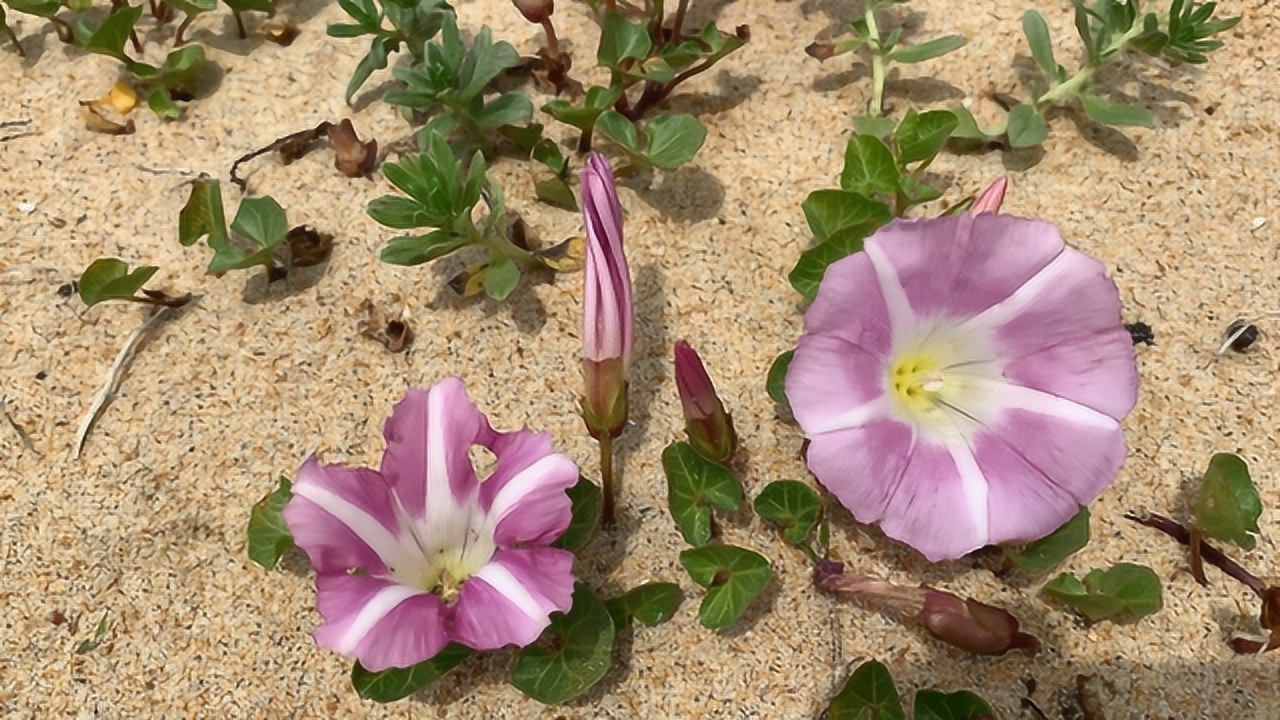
(567, 257)
(123, 97)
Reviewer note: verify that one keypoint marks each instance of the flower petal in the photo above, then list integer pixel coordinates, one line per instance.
(940, 505)
(960, 266)
(343, 518)
(1024, 504)
(429, 435)
(833, 384)
(850, 305)
(1097, 371)
(861, 466)
(525, 496)
(1078, 449)
(510, 600)
(381, 623)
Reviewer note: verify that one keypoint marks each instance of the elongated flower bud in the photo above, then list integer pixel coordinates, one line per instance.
(608, 314)
(991, 199)
(710, 428)
(535, 11)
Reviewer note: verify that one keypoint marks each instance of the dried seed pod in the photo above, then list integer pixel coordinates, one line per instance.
(1241, 334)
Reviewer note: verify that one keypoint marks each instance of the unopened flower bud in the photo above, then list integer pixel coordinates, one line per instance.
(709, 427)
(991, 199)
(608, 315)
(535, 11)
(971, 625)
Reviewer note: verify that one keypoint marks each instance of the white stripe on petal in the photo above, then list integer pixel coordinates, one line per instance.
(383, 602)
(506, 584)
(521, 484)
(381, 539)
(1024, 398)
(973, 484)
(1014, 305)
(901, 316)
(881, 408)
(440, 501)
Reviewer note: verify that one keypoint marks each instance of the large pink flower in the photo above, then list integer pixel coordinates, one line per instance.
(422, 552)
(962, 380)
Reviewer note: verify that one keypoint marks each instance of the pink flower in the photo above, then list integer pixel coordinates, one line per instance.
(962, 381)
(608, 316)
(421, 553)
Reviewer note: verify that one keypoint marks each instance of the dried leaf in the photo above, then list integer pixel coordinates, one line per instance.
(394, 333)
(123, 97)
(352, 157)
(308, 247)
(282, 34)
(95, 121)
(566, 257)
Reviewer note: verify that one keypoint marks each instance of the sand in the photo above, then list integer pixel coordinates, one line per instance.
(149, 525)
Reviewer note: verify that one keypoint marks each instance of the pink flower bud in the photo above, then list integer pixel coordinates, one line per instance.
(608, 314)
(971, 625)
(709, 427)
(535, 11)
(991, 198)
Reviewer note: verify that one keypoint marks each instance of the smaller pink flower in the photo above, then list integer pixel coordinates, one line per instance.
(962, 381)
(422, 553)
(608, 315)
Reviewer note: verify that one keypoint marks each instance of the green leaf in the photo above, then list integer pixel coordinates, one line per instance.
(419, 249)
(1109, 113)
(576, 652)
(376, 59)
(39, 8)
(648, 604)
(962, 705)
(269, 536)
(397, 683)
(835, 212)
(1037, 32)
(501, 276)
(510, 109)
(110, 279)
(1026, 127)
(673, 139)
(619, 129)
(695, 485)
(621, 40)
(261, 220)
(555, 191)
(733, 577)
(99, 636)
(245, 5)
(1043, 554)
(775, 385)
(484, 62)
(928, 50)
(364, 12)
(597, 100)
(400, 213)
(920, 137)
(791, 504)
(182, 66)
(867, 694)
(967, 127)
(1124, 592)
(161, 103)
(869, 167)
(203, 215)
(1227, 503)
(110, 36)
(873, 125)
(586, 498)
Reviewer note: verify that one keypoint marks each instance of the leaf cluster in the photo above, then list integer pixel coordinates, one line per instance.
(260, 225)
(1107, 29)
(646, 62)
(869, 693)
(881, 179)
(412, 24)
(1124, 592)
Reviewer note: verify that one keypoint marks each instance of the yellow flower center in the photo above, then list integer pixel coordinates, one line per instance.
(919, 383)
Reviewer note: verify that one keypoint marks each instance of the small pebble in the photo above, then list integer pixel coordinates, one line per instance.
(1258, 222)
(26, 208)
(1245, 338)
